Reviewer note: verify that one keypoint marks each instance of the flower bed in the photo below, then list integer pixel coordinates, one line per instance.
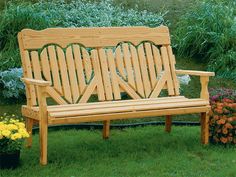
(223, 116)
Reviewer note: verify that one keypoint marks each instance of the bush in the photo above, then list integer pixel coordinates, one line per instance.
(77, 13)
(10, 83)
(208, 33)
(223, 116)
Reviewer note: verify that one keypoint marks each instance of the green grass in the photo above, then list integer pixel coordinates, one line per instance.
(147, 151)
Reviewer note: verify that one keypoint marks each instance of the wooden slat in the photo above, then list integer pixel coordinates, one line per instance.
(28, 68)
(45, 64)
(112, 68)
(172, 68)
(87, 64)
(97, 71)
(88, 91)
(72, 74)
(55, 96)
(144, 72)
(94, 37)
(157, 59)
(36, 65)
(105, 74)
(165, 59)
(54, 69)
(64, 75)
(79, 68)
(159, 86)
(126, 115)
(126, 87)
(187, 103)
(150, 62)
(56, 107)
(109, 104)
(137, 72)
(120, 62)
(128, 65)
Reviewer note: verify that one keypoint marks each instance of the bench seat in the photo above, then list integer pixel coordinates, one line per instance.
(90, 112)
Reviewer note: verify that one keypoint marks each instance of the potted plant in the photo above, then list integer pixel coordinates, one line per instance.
(12, 135)
(223, 116)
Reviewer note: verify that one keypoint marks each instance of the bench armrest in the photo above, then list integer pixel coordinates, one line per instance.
(204, 79)
(195, 73)
(36, 82)
(41, 86)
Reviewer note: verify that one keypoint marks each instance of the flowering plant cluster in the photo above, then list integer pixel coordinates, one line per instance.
(12, 134)
(223, 116)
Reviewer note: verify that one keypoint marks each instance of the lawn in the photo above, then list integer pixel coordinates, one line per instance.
(147, 151)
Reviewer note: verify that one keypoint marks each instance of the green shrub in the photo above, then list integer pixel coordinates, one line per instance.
(10, 83)
(76, 13)
(208, 33)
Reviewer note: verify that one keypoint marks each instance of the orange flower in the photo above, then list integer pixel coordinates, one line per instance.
(230, 139)
(216, 139)
(216, 117)
(230, 119)
(225, 131)
(234, 141)
(228, 125)
(221, 121)
(223, 140)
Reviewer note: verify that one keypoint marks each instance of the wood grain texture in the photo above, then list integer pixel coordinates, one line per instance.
(94, 37)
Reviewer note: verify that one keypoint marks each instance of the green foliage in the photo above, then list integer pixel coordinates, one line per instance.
(10, 83)
(208, 32)
(77, 13)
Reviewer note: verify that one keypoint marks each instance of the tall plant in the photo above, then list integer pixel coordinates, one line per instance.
(208, 33)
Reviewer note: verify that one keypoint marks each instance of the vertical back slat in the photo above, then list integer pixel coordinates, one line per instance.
(112, 68)
(105, 74)
(72, 74)
(172, 67)
(79, 68)
(128, 65)
(54, 69)
(166, 64)
(87, 64)
(45, 64)
(150, 62)
(120, 62)
(36, 65)
(137, 72)
(97, 71)
(64, 74)
(143, 66)
(157, 59)
(29, 73)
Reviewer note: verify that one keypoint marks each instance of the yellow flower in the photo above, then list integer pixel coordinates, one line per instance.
(6, 133)
(20, 124)
(12, 127)
(1, 136)
(14, 136)
(23, 133)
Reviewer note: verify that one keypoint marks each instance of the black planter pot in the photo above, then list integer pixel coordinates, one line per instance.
(9, 160)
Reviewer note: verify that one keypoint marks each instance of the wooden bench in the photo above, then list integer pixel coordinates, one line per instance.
(71, 65)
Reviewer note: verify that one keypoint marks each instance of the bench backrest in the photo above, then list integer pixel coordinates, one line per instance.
(81, 62)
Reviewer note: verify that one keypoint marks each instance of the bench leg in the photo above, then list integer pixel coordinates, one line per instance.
(204, 128)
(106, 129)
(168, 123)
(29, 126)
(43, 135)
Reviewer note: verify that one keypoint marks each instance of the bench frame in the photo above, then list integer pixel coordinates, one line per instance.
(43, 88)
